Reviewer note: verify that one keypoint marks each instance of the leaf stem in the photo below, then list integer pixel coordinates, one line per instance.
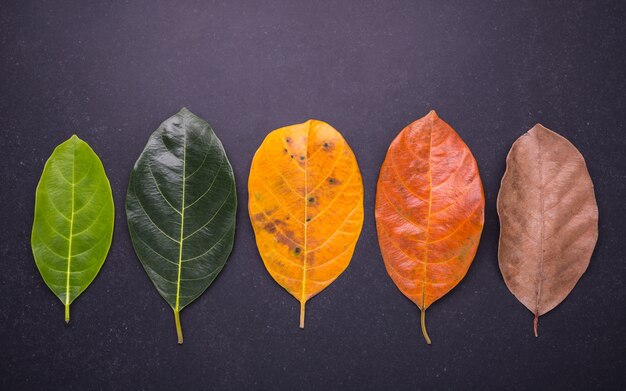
(536, 323)
(423, 320)
(302, 304)
(67, 313)
(179, 329)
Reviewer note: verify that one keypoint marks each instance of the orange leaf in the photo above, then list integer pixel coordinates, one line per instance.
(306, 206)
(429, 211)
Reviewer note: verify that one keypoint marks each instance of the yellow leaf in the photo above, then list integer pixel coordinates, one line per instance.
(306, 206)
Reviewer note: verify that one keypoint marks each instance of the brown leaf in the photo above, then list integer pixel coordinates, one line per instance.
(548, 219)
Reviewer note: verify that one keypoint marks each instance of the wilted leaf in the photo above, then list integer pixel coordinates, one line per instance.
(306, 206)
(74, 216)
(429, 211)
(548, 219)
(180, 207)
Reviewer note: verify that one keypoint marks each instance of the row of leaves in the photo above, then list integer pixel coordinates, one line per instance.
(306, 208)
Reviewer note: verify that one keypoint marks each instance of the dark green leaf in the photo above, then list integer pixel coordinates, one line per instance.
(74, 216)
(180, 207)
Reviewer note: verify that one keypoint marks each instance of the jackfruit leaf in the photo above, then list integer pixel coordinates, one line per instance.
(180, 208)
(74, 216)
(429, 211)
(548, 220)
(306, 207)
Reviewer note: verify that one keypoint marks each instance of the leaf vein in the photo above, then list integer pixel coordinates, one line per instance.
(159, 189)
(212, 217)
(149, 218)
(336, 230)
(217, 173)
(207, 251)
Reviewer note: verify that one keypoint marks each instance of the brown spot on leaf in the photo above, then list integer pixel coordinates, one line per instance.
(328, 146)
(269, 227)
(260, 217)
(262, 221)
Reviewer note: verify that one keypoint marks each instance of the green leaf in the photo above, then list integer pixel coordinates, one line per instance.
(74, 217)
(180, 207)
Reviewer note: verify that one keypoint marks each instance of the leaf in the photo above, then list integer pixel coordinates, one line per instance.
(306, 207)
(548, 220)
(74, 217)
(429, 211)
(180, 207)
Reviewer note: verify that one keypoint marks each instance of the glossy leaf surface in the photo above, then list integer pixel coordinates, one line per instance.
(548, 219)
(74, 217)
(180, 208)
(429, 210)
(306, 207)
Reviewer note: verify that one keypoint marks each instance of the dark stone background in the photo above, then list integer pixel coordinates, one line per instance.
(112, 72)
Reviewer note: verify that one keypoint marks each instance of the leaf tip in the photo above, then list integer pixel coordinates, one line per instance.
(311, 122)
(538, 128)
(433, 114)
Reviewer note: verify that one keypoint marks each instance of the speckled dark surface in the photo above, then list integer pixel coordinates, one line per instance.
(112, 72)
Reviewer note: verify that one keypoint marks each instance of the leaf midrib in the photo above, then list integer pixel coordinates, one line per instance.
(306, 212)
(69, 251)
(430, 204)
(182, 220)
(541, 233)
